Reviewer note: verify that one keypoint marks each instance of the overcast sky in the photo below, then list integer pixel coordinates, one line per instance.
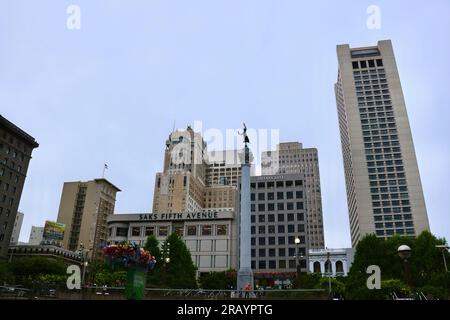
(111, 90)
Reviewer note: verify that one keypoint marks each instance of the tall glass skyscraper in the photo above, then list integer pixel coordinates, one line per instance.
(384, 191)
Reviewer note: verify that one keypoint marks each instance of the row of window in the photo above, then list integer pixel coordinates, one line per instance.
(389, 210)
(391, 232)
(272, 252)
(5, 200)
(280, 228)
(272, 241)
(280, 195)
(372, 107)
(3, 172)
(381, 156)
(272, 264)
(363, 64)
(398, 224)
(278, 184)
(163, 231)
(389, 217)
(280, 217)
(279, 206)
(389, 189)
(6, 211)
(13, 141)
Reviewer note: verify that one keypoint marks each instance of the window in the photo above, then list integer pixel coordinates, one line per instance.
(290, 206)
(222, 230)
(291, 252)
(271, 218)
(262, 252)
(282, 264)
(299, 205)
(121, 232)
(289, 195)
(270, 196)
(291, 228)
(299, 194)
(280, 195)
(280, 206)
(135, 231)
(261, 218)
(261, 196)
(270, 207)
(163, 231)
(262, 241)
(271, 229)
(149, 231)
(280, 217)
(179, 231)
(191, 230)
(379, 63)
(272, 263)
(206, 230)
(262, 229)
(261, 207)
(262, 264)
(282, 252)
(281, 240)
(355, 65)
(281, 229)
(272, 242)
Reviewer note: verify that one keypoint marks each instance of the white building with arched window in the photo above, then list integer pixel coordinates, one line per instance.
(334, 261)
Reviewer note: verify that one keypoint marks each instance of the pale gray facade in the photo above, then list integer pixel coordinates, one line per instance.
(384, 191)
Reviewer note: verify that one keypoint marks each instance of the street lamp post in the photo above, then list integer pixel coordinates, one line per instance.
(444, 249)
(166, 259)
(297, 242)
(85, 264)
(328, 262)
(404, 252)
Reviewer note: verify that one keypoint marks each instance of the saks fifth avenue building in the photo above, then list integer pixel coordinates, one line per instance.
(211, 236)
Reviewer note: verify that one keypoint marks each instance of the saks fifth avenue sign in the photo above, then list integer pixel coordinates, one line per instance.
(180, 216)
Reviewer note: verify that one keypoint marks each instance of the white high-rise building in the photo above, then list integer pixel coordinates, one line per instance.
(384, 191)
(36, 235)
(16, 229)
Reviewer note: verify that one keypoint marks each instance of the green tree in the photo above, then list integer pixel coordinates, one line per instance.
(154, 275)
(6, 276)
(180, 271)
(426, 265)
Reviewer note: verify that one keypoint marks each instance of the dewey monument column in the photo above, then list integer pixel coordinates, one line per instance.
(245, 274)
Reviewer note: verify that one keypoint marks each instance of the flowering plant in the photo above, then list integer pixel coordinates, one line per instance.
(129, 254)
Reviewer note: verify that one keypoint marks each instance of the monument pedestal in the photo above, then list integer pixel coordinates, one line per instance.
(136, 280)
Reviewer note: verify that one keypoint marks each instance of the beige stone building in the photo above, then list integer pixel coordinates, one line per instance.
(291, 157)
(384, 191)
(189, 181)
(84, 208)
